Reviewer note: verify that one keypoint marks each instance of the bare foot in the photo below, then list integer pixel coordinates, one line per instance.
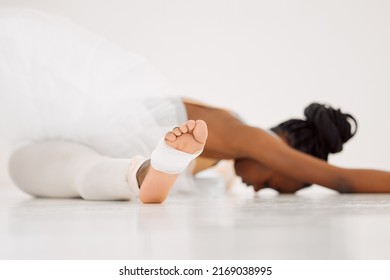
(190, 138)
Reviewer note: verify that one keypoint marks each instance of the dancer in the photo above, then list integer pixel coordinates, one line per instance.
(92, 116)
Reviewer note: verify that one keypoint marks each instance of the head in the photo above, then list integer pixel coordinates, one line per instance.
(323, 131)
(259, 176)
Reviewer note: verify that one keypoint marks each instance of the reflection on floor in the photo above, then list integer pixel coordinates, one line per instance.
(224, 226)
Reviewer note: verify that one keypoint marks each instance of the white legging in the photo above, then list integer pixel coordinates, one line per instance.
(65, 169)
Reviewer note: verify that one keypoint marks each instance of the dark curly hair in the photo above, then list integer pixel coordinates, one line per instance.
(324, 131)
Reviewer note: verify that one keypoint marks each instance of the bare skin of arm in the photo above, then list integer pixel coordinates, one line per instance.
(229, 138)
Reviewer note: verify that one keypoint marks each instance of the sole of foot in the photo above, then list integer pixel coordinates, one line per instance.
(190, 137)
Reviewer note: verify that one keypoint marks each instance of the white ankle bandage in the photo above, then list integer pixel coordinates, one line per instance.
(169, 160)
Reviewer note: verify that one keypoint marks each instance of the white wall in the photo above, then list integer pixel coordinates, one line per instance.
(264, 59)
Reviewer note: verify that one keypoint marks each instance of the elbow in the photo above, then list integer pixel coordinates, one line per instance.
(344, 186)
(345, 189)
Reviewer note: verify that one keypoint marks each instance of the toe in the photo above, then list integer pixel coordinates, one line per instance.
(183, 128)
(170, 136)
(200, 131)
(177, 131)
(190, 125)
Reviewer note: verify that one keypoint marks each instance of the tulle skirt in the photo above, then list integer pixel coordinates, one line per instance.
(58, 81)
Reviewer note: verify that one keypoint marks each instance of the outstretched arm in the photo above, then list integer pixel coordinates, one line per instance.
(229, 138)
(280, 157)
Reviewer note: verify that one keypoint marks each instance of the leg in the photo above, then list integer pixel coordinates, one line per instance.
(188, 138)
(65, 169)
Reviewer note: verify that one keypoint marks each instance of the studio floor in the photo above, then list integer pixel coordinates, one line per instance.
(236, 225)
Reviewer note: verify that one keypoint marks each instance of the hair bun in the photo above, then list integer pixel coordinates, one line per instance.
(333, 126)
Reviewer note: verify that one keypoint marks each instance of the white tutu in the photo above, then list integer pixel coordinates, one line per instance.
(58, 81)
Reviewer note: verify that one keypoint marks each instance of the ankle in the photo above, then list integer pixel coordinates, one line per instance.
(141, 173)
